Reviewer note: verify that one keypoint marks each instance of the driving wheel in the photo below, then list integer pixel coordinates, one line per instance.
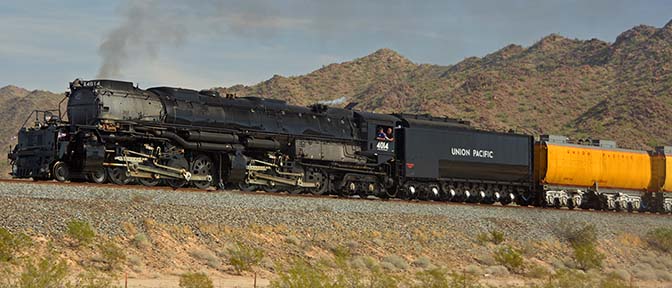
(202, 166)
(118, 175)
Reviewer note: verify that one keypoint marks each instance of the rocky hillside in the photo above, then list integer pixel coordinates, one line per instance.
(581, 88)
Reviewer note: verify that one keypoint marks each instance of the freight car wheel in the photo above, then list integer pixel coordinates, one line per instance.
(118, 175)
(61, 171)
(99, 176)
(201, 166)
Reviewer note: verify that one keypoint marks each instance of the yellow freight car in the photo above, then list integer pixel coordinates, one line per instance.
(661, 182)
(568, 171)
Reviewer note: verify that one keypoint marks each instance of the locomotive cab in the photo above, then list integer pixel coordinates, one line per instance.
(378, 146)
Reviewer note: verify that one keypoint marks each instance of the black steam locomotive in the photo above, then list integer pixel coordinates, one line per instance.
(119, 133)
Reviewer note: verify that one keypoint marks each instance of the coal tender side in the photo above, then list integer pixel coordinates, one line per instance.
(446, 159)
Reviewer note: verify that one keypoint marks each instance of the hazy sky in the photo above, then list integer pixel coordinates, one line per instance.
(45, 44)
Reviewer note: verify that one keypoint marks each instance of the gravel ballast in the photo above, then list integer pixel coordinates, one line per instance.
(46, 208)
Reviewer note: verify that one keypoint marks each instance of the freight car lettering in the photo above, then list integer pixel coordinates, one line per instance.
(460, 151)
(472, 153)
(483, 153)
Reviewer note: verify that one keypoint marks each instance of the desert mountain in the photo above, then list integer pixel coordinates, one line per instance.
(580, 88)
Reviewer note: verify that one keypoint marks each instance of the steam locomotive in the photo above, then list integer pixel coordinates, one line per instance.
(120, 133)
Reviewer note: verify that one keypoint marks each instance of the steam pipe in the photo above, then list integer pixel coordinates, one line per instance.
(197, 145)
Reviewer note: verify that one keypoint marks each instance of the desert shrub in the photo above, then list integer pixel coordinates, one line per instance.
(439, 278)
(482, 238)
(243, 257)
(583, 239)
(44, 272)
(537, 271)
(663, 275)
(111, 254)
(660, 238)
(206, 256)
(11, 244)
(422, 262)
(300, 274)
(134, 260)
(341, 252)
(613, 282)
(496, 237)
(141, 241)
(91, 279)
(587, 256)
(573, 279)
(293, 240)
(510, 258)
(577, 233)
(497, 270)
(81, 231)
(621, 274)
(493, 236)
(387, 266)
(397, 261)
(381, 279)
(195, 280)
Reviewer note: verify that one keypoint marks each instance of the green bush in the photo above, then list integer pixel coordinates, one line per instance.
(510, 258)
(195, 280)
(91, 279)
(141, 241)
(397, 261)
(341, 252)
(301, 275)
(380, 279)
(571, 279)
(111, 254)
(583, 239)
(243, 257)
(81, 232)
(439, 278)
(11, 244)
(493, 236)
(538, 272)
(587, 256)
(45, 272)
(660, 238)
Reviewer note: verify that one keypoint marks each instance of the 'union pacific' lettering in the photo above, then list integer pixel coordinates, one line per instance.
(472, 153)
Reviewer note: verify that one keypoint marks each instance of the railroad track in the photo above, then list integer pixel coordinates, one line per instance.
(353, 198)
